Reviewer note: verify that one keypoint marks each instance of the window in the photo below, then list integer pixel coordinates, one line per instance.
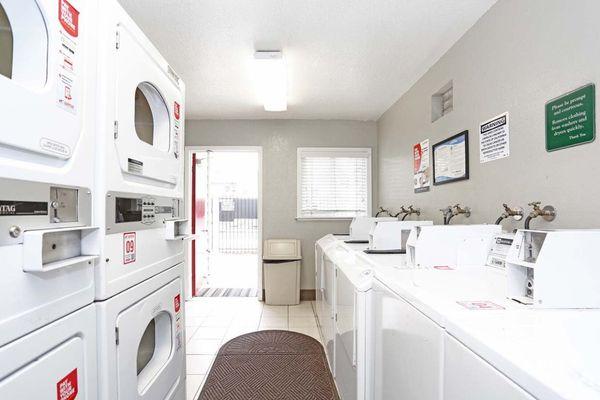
(334, 182)
(442, 102)
(152, 123)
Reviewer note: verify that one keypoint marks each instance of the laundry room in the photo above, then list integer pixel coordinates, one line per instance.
(338, 200)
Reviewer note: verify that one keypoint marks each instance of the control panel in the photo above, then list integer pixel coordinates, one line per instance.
(132, 212)
(27, 206)
(499, 250)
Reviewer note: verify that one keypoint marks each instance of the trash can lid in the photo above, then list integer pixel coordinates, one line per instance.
(282, 249)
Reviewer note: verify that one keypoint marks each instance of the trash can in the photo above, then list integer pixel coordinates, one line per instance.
(281, 271)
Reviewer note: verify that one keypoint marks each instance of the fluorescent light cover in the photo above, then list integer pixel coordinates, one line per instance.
(271, 79)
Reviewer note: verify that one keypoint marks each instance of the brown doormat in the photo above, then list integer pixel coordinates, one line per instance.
(270, 365)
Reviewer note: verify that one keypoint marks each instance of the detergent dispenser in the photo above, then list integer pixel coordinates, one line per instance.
(554, 269)
(360, 227)
(392, 236)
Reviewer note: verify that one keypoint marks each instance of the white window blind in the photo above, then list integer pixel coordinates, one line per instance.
(334, 183)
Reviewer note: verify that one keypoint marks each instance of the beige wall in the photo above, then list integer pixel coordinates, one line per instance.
(517, 57)
(279, 140)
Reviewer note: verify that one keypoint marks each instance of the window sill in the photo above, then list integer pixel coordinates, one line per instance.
(308, 219)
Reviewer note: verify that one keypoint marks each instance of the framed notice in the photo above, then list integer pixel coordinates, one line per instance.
(421, 167)
(451, 159)
(571, 119)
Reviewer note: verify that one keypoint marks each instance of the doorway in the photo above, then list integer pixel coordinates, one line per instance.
(226, 209)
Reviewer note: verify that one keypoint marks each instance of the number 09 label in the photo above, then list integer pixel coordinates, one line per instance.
(129, 247)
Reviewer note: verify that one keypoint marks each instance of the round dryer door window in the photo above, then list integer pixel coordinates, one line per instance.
(6, 44)
(152, 124)
(23, 43)
(154, 349)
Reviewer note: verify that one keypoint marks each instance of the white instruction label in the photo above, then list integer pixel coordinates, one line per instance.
(67, 57)
(494, 138)
(480, 305)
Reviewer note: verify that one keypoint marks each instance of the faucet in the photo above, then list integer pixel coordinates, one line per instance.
(548, 213)
(381, 211)
(410, 211)
(456, 210)
(447, 213)
(516, 213)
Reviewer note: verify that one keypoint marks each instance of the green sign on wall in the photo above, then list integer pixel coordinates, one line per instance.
(571, 119)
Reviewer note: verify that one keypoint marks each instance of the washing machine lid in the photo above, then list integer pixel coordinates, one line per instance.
(42, 111)
(138, 71)
(150, 345)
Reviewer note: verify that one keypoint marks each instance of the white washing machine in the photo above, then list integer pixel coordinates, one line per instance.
(353, 282)
(323, 312)
(47, 244)
(140, 168)
(56, 362)
(141, 344)
(407, 349)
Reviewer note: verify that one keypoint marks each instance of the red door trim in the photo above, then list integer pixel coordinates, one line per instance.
(193, 224)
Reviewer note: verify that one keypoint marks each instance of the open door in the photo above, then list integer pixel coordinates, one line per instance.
(225, 197)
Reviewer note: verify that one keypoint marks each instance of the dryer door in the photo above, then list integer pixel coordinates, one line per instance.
(150, 350)
(57, 361)
(148, 112)
(41, 73)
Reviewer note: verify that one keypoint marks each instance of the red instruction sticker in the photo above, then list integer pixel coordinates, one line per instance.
(177, 110)
(443, 268)
(177, 303)
(129, 247)
(66, 388)
(480, 305)
(69, 17)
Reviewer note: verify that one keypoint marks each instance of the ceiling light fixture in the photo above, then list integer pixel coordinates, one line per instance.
(271, 79)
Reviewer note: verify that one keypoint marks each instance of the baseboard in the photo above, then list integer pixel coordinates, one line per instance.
(308, 294)
(305, 294)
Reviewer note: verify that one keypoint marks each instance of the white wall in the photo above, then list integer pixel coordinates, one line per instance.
(280, 140)
(517, 57)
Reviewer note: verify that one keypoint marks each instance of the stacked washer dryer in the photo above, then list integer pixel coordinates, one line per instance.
(47, 242)
(139, 208)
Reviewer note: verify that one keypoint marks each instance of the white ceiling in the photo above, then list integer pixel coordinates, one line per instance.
(347, 59)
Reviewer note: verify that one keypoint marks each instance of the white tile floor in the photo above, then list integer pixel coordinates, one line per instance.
(212, 321)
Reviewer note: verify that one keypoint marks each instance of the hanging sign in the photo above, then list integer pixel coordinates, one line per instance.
(494, 139)
(421, 167)
(571, 119)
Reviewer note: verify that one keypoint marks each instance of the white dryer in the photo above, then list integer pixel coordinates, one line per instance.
(47, 86)
(47, 81)
(139, 168)
(141, 343)
(56, 362)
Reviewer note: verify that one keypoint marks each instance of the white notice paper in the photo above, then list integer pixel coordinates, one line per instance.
(494, 139)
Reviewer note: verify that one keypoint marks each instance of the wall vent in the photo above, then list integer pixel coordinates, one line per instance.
(442, 102)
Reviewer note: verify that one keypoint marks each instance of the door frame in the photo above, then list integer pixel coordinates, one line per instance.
(190, 206)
